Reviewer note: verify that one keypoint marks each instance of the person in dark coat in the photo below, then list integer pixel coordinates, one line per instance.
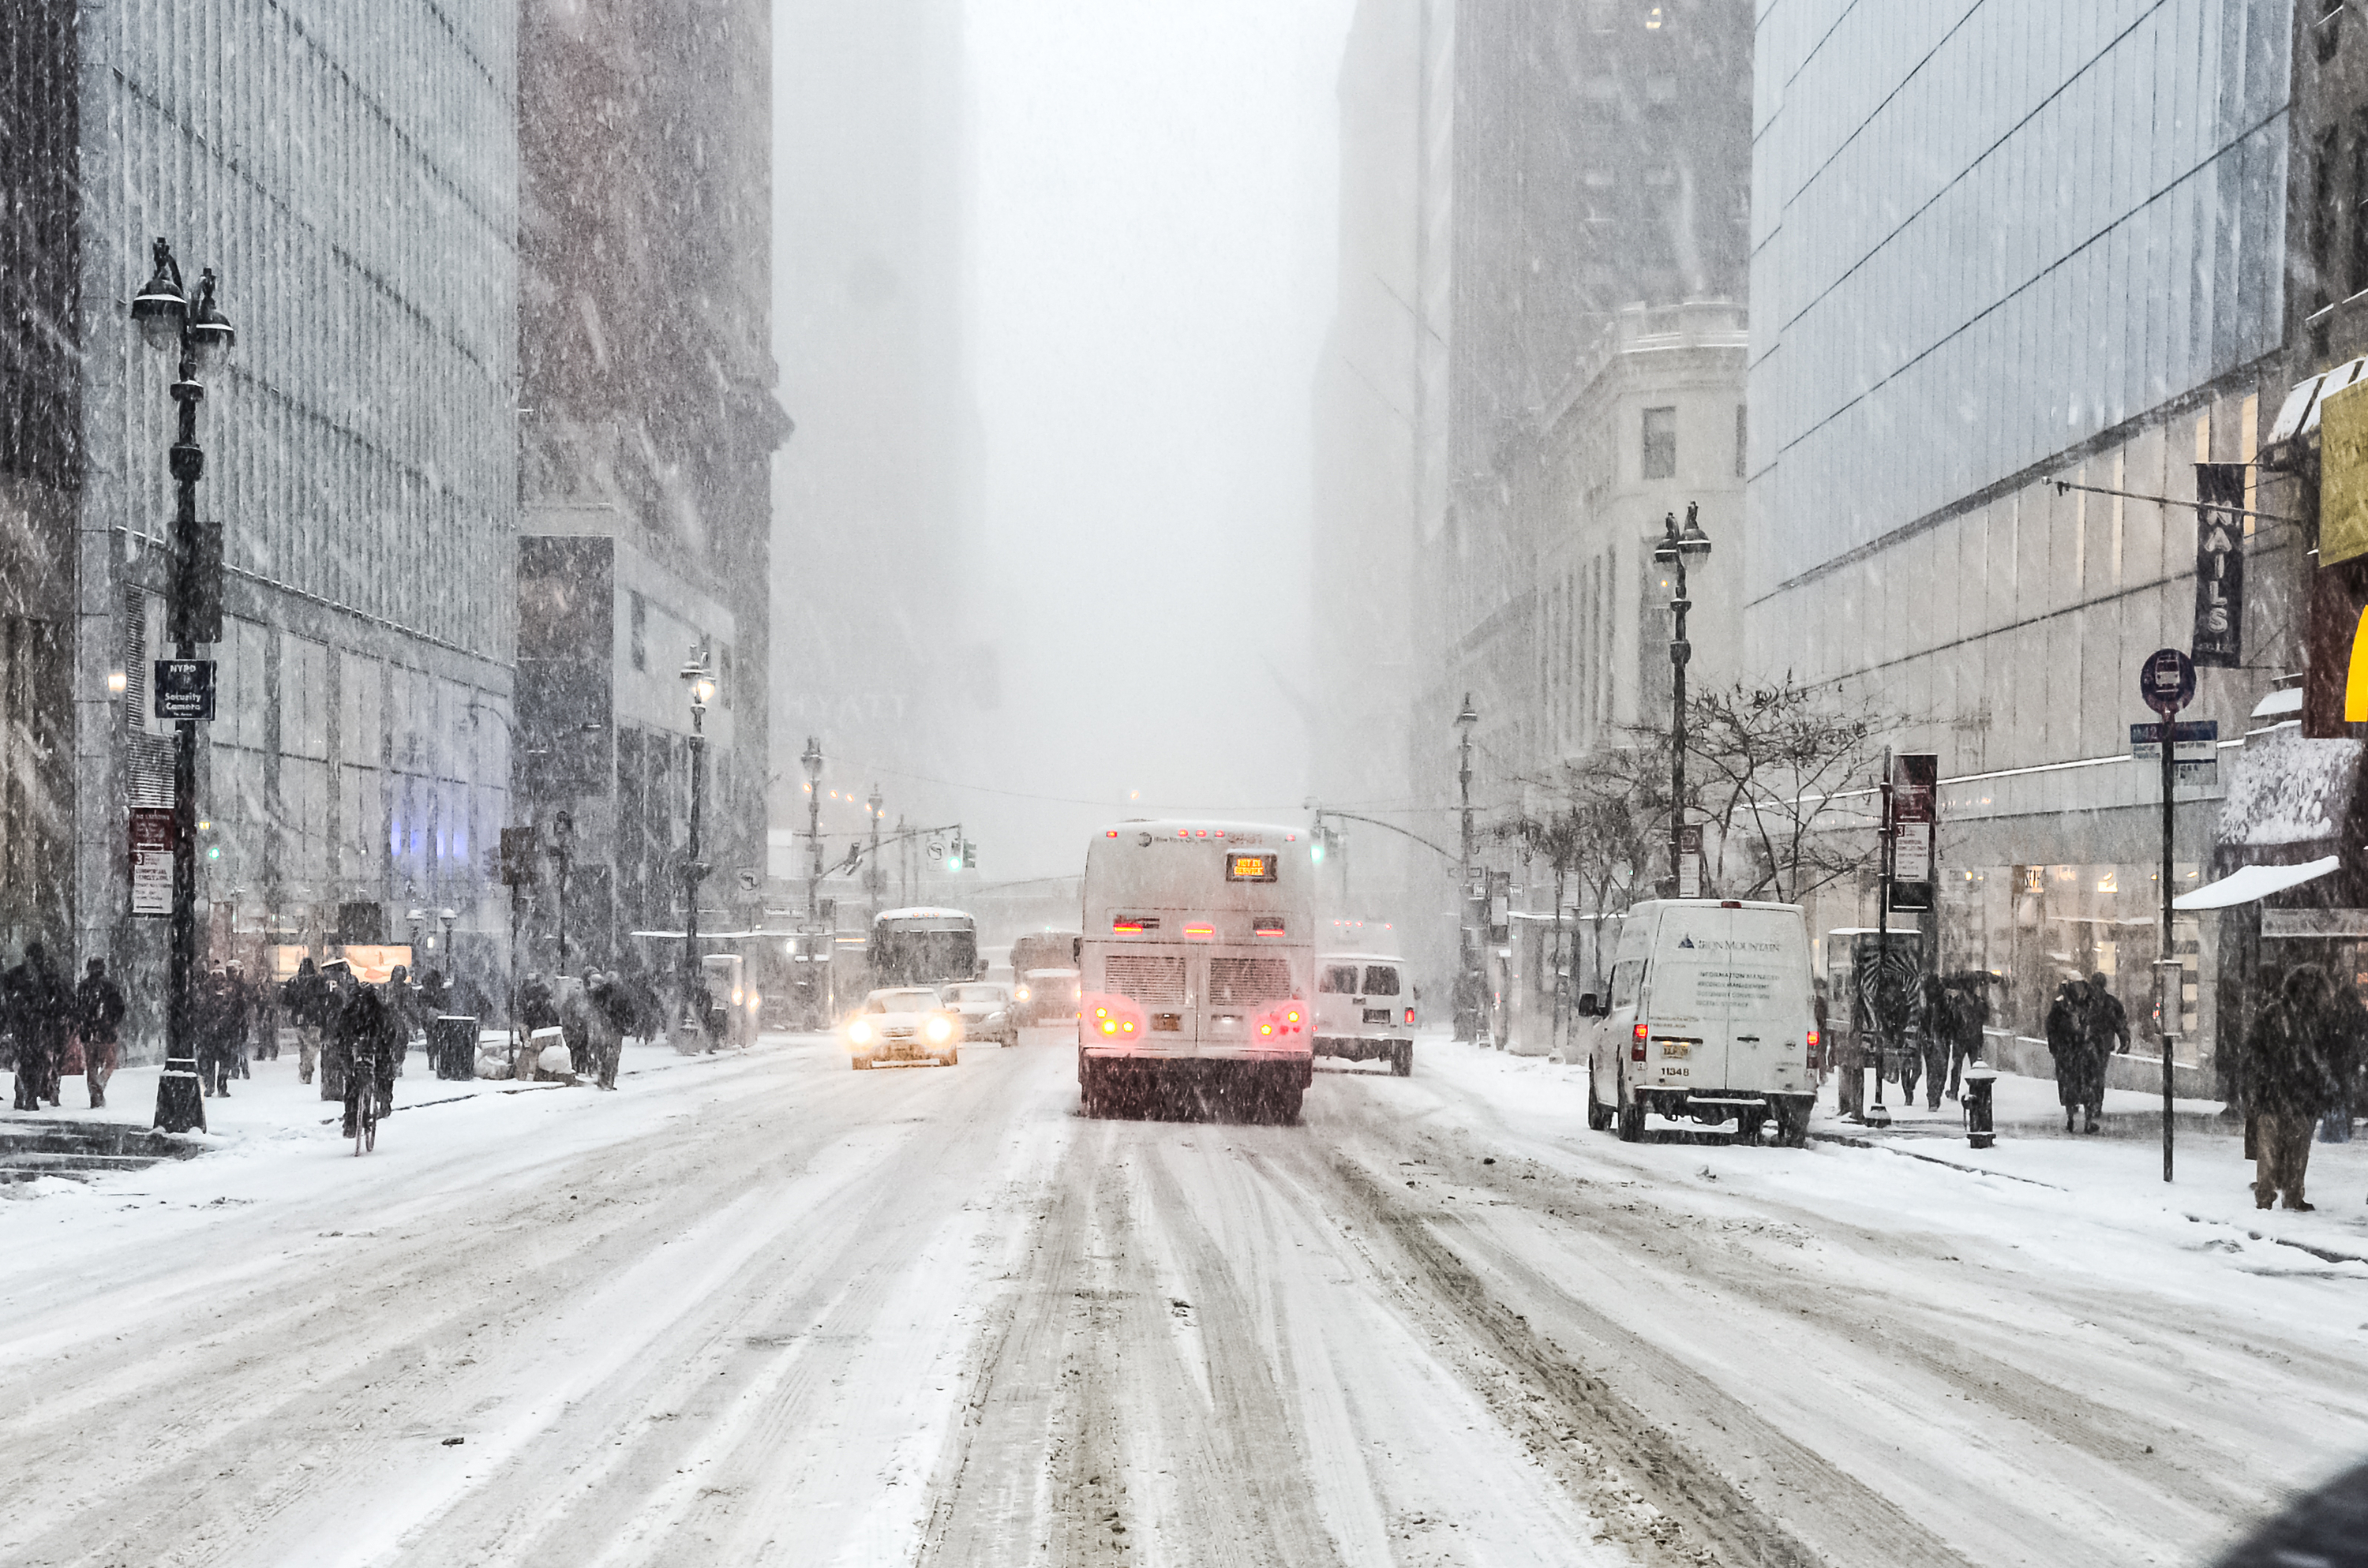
(2291, 1067)
(336, 1052)
(372, 1037)
(307, 1003)
(537, 1007)
(40, 1011)
(2079, 1066)
(249, 1014)
(218, 1020)
(1968, 1002)
(2108, 1021)
(99, 1014)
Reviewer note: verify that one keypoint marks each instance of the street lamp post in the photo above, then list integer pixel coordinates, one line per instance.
(168, 320)
(563, 846)
(875, 878)
(1467, 944)
(1672, 551)
(703, 691)
(811, 762)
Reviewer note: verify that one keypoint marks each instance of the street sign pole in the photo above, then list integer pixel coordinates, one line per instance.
(2166, 681)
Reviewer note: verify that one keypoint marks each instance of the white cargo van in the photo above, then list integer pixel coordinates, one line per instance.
(1710, 1018)
(1364, 1009)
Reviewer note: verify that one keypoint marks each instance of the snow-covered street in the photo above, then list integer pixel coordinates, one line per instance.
(762, 1309)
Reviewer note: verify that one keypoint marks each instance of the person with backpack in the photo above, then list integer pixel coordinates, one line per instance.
(2291, 1081)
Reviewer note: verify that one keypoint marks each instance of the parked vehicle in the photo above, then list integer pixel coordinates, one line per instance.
(1710, 1018)
(1198, 968)
(1046, 996)
(1364, 1011)
(986, 1009)
(903, 1024)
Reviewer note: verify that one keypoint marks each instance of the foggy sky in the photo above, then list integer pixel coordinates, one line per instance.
(1151, 239)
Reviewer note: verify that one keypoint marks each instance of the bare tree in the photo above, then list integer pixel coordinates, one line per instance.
(1780, 771)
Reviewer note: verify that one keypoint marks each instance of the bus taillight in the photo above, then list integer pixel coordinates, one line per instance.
(1409, 1023)
(1199, 931)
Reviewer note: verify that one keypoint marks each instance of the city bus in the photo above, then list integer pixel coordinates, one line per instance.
(923, 947)
(1197, 969)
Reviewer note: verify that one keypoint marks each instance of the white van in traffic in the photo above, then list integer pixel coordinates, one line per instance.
(1364, 1009)
(1711, 1017)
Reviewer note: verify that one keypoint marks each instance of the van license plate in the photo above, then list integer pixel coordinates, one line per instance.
(1672, 1052)
(1172, 1023)
(1377, 1015)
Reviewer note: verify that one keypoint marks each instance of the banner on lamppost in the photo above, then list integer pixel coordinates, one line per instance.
(2219, 638)
(152, 860)
(1689, 860)
(1915, 821)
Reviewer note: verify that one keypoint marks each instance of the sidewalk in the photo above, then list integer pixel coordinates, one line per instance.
(2212, 1180)
(270, 1107)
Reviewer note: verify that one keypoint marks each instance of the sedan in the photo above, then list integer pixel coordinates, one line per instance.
(902, 1025)
(987, 1012)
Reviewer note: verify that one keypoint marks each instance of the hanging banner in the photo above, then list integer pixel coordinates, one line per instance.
(2219, 639)
(2343, 475)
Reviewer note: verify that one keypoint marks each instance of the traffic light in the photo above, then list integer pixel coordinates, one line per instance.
(954, 856)
(969, 853)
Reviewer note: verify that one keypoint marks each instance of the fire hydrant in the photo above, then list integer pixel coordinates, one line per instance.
(1980, 1077)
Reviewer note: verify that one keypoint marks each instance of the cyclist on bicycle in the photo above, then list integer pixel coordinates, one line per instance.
(368, 1030)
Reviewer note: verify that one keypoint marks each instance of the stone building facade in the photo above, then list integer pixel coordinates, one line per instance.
(354, 187)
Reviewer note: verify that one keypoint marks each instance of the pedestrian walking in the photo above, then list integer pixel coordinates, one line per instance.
(2079, 1066)
(2108, 1021)
(336, 1052)
(1967, 1002)
(1931, 1040)
(306, 1001)
(214, 1018)
(605, 1007)
(401, 1000)
(244, 1012)
(40, 1011)
(537, 1009)
(2291, 1060)
(99, 1014)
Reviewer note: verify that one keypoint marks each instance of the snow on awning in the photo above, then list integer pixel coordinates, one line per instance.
(2249, 883)
(2286, 790)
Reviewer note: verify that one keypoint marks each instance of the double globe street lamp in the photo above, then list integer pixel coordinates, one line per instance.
(1673, 550)
(168, 320)
(701, 684)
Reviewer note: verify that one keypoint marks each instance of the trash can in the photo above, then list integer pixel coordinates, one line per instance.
(453, 1045)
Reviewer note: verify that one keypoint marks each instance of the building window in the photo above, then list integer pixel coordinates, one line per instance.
(641, 632)
(1660, 443)
(1742, 440)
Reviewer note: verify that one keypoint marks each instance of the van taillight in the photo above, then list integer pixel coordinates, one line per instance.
(1813, 1051)
(1409, 1017)
(1636, 1045)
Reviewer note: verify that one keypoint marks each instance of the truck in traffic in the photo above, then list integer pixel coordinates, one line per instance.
(1197, 969)
(1711, 1019)
(923, 947)
(1364, 1009)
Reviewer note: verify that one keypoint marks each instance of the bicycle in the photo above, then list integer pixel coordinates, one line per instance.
(366, 1118)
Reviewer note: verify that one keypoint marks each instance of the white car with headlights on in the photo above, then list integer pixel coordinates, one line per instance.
(986, 1011)
(908, 1024)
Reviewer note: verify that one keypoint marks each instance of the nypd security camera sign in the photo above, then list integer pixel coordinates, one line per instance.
(2166, 681)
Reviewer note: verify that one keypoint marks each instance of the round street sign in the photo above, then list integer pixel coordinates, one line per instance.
(2167, 680)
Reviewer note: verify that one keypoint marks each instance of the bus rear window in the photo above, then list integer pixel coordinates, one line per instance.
(1249, 868)
(1380, 980)
(1339, 977)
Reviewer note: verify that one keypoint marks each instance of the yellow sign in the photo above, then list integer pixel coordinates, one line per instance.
(2355, 683)
(2343, 470)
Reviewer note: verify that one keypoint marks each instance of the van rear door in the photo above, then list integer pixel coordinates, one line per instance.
(1725, 976)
